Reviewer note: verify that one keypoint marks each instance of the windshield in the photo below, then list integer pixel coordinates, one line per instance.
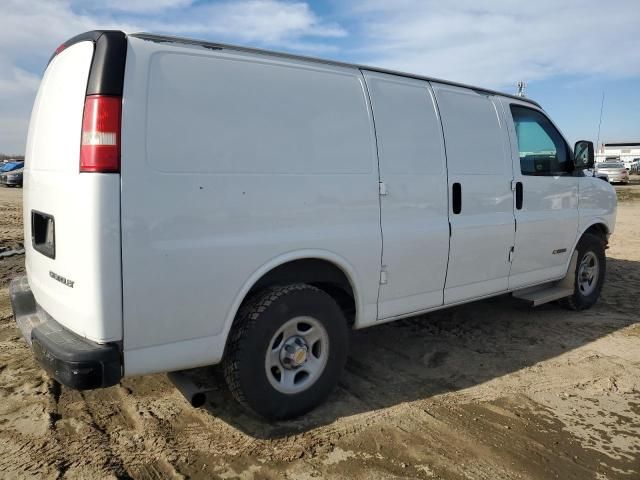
(610, 165)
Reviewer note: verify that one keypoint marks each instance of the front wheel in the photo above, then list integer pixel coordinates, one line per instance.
(590, 273)
(286, 351)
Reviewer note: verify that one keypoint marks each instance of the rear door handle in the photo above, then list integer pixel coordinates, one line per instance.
(456, 198)
(519, 195)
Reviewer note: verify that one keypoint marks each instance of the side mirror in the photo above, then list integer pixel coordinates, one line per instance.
(583, 156)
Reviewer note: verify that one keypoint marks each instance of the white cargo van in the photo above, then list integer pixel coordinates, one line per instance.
(190, 203)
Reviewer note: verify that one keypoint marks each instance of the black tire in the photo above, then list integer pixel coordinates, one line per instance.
(256, 324)
(578, 301)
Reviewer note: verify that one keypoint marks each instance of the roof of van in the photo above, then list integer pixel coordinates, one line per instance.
(221, 46)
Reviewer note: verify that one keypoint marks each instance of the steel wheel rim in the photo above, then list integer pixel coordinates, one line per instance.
(297, 355)
(588, 273)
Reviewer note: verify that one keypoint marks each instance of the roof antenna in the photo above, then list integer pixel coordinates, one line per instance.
(521, 86)
(600, 148)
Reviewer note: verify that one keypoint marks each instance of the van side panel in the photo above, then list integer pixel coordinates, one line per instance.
(415, 224)
(85, 208)
(230, 162)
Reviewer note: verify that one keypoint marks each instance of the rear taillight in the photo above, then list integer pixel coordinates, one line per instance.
(100, 144)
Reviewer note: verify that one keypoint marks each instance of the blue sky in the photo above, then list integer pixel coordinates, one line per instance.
(568, 52)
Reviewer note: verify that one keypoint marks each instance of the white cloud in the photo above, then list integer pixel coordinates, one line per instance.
(266, 22)
(17, 90)
(498, 42)
(137, 6)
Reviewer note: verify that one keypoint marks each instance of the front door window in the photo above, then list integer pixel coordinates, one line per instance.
(542, 149)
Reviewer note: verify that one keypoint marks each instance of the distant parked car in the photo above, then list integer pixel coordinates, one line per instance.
(12, 178)
(9, 166)
(635, 166)
(616, 171)
(627, 164)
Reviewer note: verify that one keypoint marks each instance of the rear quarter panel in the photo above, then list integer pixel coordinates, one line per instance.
(216, 188)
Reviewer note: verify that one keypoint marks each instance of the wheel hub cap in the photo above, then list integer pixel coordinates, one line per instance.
(297, 354)
(294, 352)
(588, 273)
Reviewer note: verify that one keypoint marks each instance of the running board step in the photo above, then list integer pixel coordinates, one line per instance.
(539, 296)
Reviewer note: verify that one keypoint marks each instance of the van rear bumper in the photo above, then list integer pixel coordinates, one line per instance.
(71, 359)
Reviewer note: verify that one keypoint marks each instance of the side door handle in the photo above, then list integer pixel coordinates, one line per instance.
(519, 195)
(456, 198)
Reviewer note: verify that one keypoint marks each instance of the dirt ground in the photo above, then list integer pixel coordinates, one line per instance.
(489, 390)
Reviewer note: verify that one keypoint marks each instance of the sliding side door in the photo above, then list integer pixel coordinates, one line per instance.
(480, 196)
(413, 196)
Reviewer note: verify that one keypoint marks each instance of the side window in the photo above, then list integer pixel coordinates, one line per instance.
(542, 149)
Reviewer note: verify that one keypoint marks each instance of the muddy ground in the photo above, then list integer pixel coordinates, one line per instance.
(489, 390)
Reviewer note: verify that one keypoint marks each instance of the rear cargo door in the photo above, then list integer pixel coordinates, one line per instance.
(71, 219)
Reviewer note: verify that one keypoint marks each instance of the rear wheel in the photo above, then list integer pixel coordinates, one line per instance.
(286, 351)
(590, 273)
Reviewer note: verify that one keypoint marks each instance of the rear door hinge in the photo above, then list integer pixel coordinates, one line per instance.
(383, 188)
(383, 275)
(511, 254)
(513, 185)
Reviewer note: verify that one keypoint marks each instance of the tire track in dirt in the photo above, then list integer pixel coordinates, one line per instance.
(81, 444)
(132, 439)
(21, 455)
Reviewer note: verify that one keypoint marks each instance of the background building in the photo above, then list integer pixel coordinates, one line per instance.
(624, 152)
